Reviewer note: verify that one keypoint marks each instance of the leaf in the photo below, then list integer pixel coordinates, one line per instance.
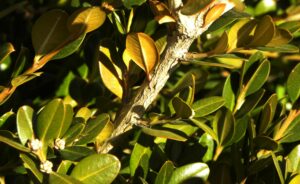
(6, 137)
(86, 20)
(268, 113)
(293, 84)
(228, 92)
(142, 50)
(293, 160)
(74, 131)
(64, 166)
(93, 128)
(240, 128)
(21, 79)
(194, 170)
(32, 166)
(281, 49)
(110, 73)
(214, 13)
(222, 44)
(5, 50)
(5, 117)
(140, 153)
(256, 77)
(250, 103)
(70, 48)
(49, 31)
(129, 3)
(207, 142)
(56, 178)
(181, 108)
(281, 37)
(24, 124)
(291, 134)
(266, 143)
(264, 32)
(161, 12)
(205, 128)
(97, 168)
(104, 134)
(194, 6)
(165, 133)
(75, 153)
(223, 125)
(295, 180)
(164, 173)
(207, 105)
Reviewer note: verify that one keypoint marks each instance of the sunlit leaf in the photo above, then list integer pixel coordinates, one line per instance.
(293, 83)
(167, 133)
(291, 133)
(293, 160)
(98, 168)
(164, 173)
(207, 142)
(5, 50)
(228, 93)
(139, 153)
(104, 134)
(142, 50)
(205, 128)
(21, 79)
(214, 13)
(75, 153)
(86, 20)
(161, 12)
(207, 105)
(281, 37)
(55, 178)
(24, 124)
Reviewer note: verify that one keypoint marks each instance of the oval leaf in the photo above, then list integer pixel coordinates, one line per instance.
(32, 166)
(142, 50)
(86, 20)
(165, 173)
(55, 178)
(208, 105)
(24, 124)
(181, 108)
(293, 84)
(96, 169)
(49, 31)
(198, 170)
(214, 13)
(165, 133)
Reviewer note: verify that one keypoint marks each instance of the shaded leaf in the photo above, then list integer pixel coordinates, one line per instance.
(21, 79)
(32, 166)
(74, 131)
(129, 3)
(264, 142)
(165, 173)
(293, 84)
(194, 6)
(24, 124)
(281, 37)
(194, 170)
(240, 128)
(207, 105)
(5, 50)
(7, 138)
(181, 108)
(281, 48)
(5, 117)
(142, 50)
(250, 103)
(161, 12)
(205, 128)
(86, 20)
(75, 153)
(98, 168)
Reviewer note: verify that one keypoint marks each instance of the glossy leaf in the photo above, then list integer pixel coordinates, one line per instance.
(5, 50)
(240, 128)
(93, 128)
(7, 138)
(111, 74)
(291, 133)
(55, 178)
(281, 49)
(142, 50)
(207, 141)
(32, 166)
(207, 105)
(228, 93)
(264, 32)
(205, 128)
(161, 12)
(194, 170)
(98, 168)
(49, 31)
(194, 6)
(74, 131)
(293, 84)
(281, 37)
(5, 117)
(250, 103)
(24, 124)
(86, 20)
(104, 134)
(181, 108)
(137, 154)
(165, 173)
(165, 133)
(268, 113)
(76, 153)
(64, 166)
(293, 160)
(214, 13)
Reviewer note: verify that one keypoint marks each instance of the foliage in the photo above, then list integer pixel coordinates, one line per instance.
(229, 113)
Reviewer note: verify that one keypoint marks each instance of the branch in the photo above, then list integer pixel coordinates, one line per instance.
(188, 29)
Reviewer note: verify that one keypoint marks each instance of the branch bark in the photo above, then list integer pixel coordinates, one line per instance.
(188, 29)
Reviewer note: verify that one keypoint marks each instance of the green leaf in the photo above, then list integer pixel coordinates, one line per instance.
(255, 77)
(228, 92)
(181, 108)
(266, 143)
(265, 6)
(7, 138)
(56, 178)
(98, 168)
(164, 173)
(75, 153)
(250, 103)
(224, 126)
(49, 31)
(194, 6)
(74, 131)
(280, 48)
(130, 3)
(293, 160)
(293, 84)
(207, 141)
(64, 166)
(291, 134)
(165, 133)
(21, 79)
(70, 48)
(5, 50)
(268, 113)
(32, 166)
(4, 118)
(24, 124)
(240, 128)
(207, 105)
(194, 170)
(205, 128)
(281, 37)
(93, 128)
(86, 20)
(264, 32)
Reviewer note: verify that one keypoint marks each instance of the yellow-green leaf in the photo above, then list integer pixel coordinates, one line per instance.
(194, 6)
(104, 134)
(281, 37)
(5, 50)
(142, 50)
(49, 31)
(214, 13)
(86, 20)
